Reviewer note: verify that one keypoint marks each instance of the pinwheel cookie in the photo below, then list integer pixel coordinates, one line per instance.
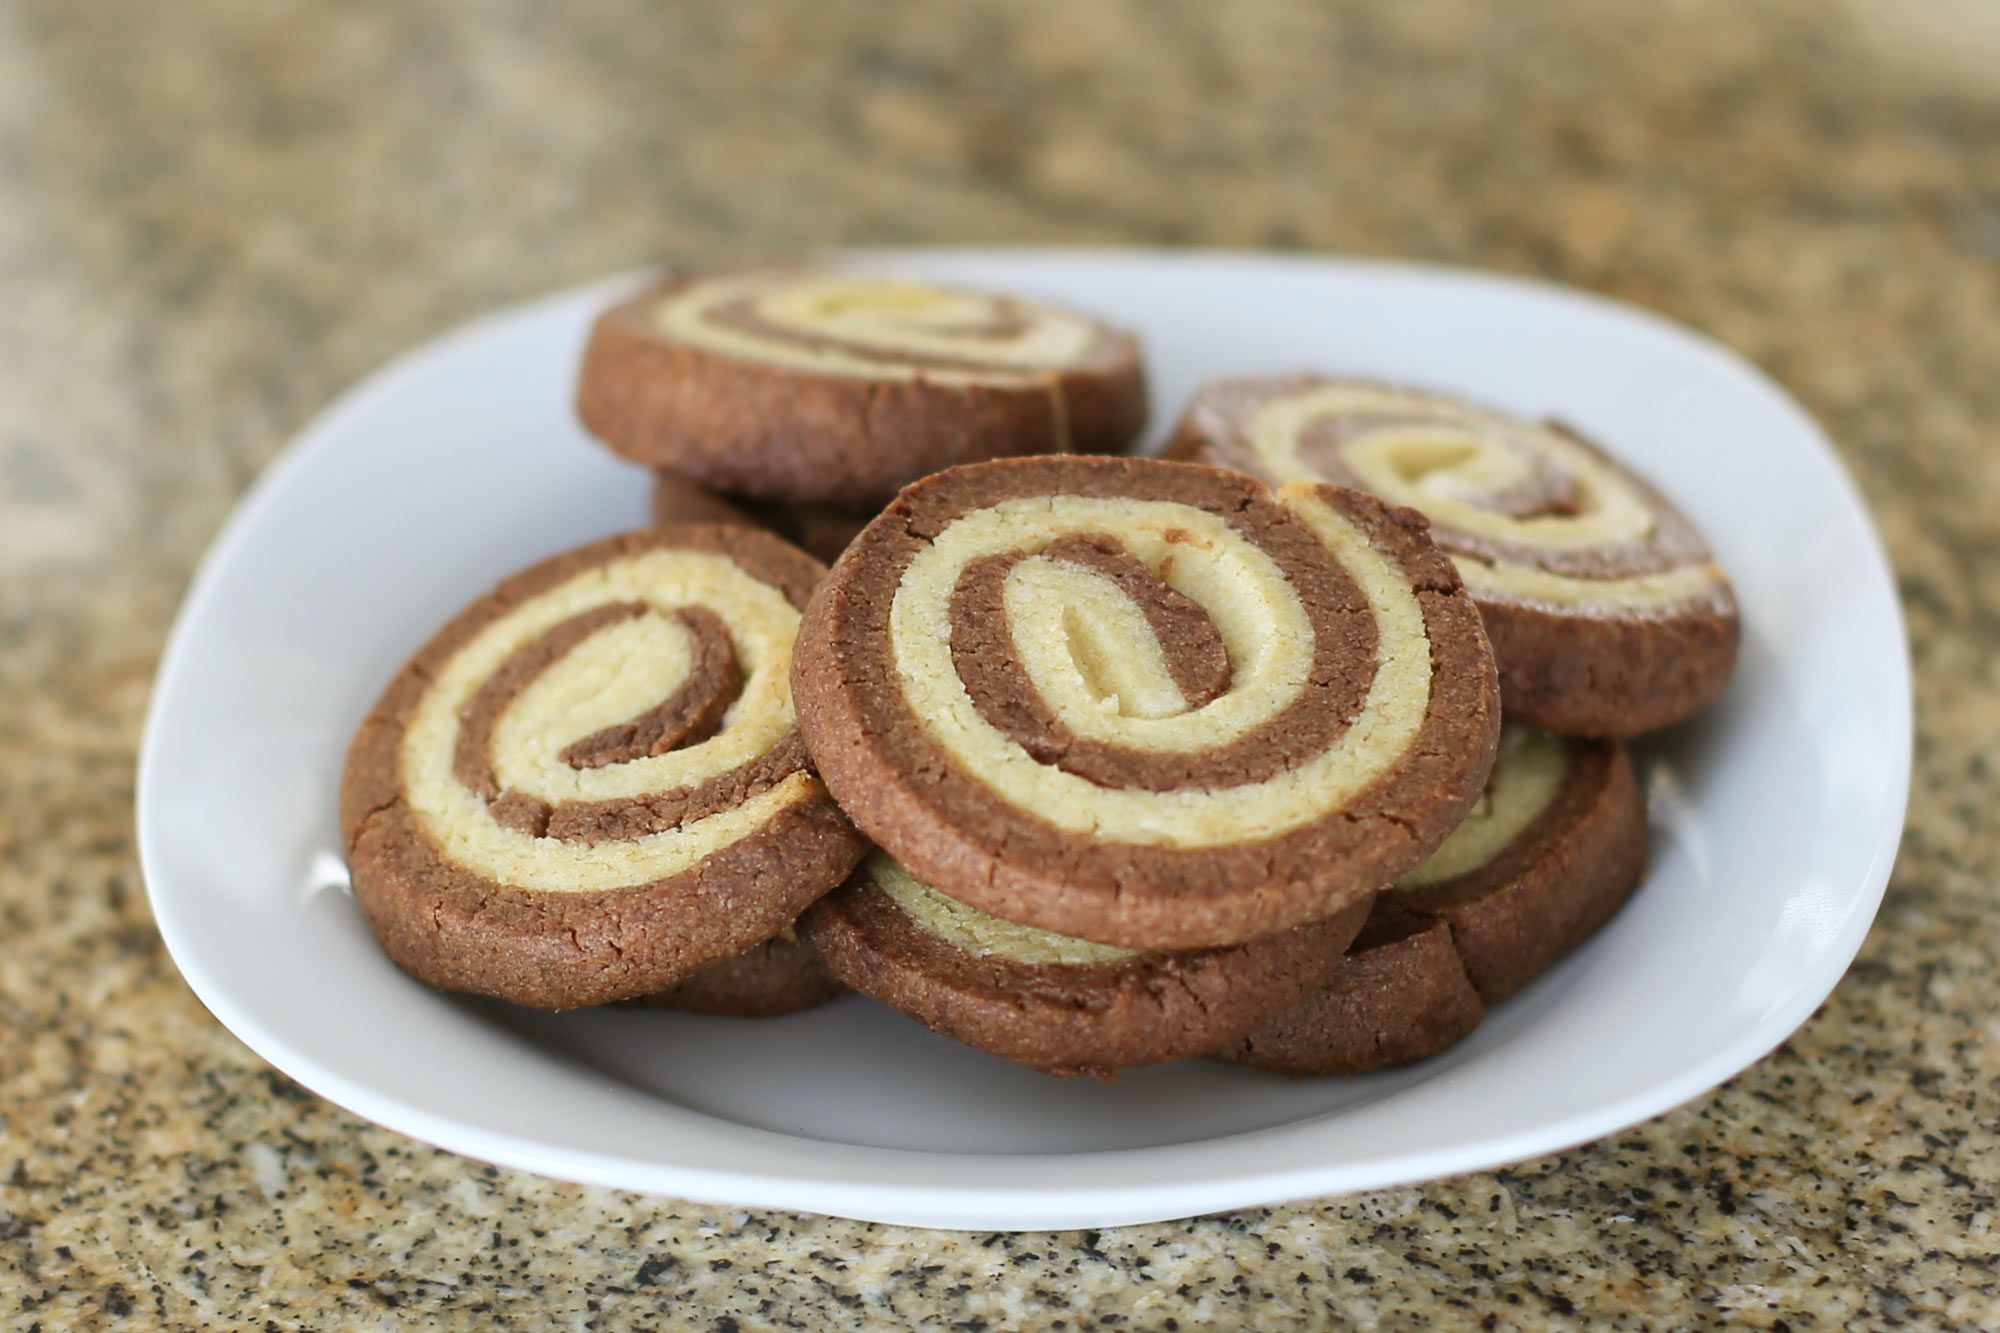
(1143, 703)
(1551, 851)
(1054, 1003)
(1606, 613)
(590, 783)
(821, 532)
(828, 388)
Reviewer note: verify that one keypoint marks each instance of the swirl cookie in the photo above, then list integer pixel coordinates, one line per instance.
(1606, 613)
(1052, 1002)
(821, 532)
(1145, 703)
(590, 783)
(779, 976)
(1550, 853)
(835, 389)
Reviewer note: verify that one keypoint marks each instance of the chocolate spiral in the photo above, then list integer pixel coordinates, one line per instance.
(1143, 703)
(780, 976)
(591, 783)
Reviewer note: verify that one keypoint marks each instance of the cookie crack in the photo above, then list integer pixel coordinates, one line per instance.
(369, 816)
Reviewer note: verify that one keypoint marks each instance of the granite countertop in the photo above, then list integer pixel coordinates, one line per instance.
(213, 216)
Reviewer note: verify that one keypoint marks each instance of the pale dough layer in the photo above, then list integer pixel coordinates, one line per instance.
(612, 676)
(878, 320)
(975, 932)
(1083, 639)
(1638, 592)
(1526, 776)
(1265, 632)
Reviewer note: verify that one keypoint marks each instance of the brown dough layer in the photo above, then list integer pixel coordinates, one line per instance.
(1609, 675)
(1070, 1019)
(821, 532)
(692, 713)
(1344, 644)
(677, 500)
(779, 976)
(457, 930)
(952, 832)
(1431, 958)
(845, 442)
(1574, 672)
(472, 761)
(1195, 654)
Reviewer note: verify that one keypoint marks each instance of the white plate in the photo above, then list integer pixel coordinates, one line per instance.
(1776, 816)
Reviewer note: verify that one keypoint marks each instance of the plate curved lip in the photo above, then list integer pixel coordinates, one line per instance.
(1063, 1197)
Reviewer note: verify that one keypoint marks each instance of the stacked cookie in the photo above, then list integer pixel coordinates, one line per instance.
(1143, 739)
(1087, 761)
(810, 398)
(1607, 618)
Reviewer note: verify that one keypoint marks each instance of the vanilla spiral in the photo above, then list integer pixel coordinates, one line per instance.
(833, 323)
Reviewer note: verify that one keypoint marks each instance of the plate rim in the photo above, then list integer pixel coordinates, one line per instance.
(902, 1199)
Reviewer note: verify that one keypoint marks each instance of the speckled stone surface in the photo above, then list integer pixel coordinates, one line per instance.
(213, 216)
